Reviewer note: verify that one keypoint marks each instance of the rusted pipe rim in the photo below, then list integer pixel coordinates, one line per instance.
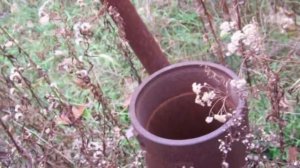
(148, 135)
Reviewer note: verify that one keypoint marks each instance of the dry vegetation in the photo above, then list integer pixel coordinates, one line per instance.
(67, 73)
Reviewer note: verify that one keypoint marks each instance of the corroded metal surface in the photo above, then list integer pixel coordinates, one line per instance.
(138, 36)
(172, 128)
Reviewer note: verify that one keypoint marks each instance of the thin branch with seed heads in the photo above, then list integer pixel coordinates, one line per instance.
(46, 142)
(245, 61)
(221, 56)
(20, 149)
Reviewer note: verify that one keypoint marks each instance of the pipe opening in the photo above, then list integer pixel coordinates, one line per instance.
(165, 105)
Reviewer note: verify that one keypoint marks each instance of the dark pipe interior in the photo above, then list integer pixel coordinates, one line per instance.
(166, 106)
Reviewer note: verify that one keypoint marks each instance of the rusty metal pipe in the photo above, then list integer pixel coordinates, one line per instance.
(171, 127)
(138, 36)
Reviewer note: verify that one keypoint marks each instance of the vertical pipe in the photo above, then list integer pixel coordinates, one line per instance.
(171, 128)
(138, 36)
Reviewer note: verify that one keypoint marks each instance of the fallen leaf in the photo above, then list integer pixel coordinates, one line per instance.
(54, 16)
(44, 19)
(63, 119)
(126, 102)
(293, 154)
(78, 111)
(62, 32)
(82, 83)
(70, 114)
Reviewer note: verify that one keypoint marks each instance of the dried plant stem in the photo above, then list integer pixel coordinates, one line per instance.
(276, 95)
(98, 94)
(28, 85)
(20, 149)
(30, 60)
(205, 31)
(45, 141)
(225, 9)
(27, 82)
(19, 46)
(246, 61)
(131, 64)
(221, 56)
(122, 44)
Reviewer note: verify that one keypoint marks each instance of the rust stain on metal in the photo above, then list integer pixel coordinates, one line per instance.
(138, 36)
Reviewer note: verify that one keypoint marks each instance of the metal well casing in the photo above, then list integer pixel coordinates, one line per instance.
(202, 151)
